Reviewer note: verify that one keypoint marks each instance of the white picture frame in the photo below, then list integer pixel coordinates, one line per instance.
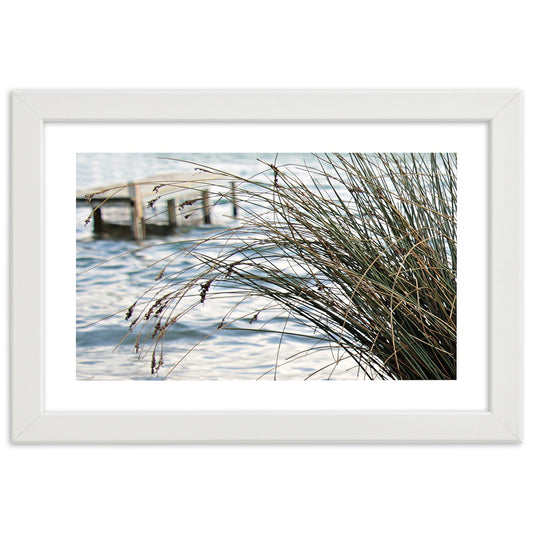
(501, 423)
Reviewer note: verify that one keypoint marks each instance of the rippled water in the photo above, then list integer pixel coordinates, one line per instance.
(112, 274)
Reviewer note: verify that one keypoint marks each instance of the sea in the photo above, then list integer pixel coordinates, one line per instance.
(113, 273)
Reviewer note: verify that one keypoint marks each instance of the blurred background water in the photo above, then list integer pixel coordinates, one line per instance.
(112, 274)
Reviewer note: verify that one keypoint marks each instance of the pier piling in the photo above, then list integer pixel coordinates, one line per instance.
(206, 207)
(137, 212)
(234, 199)
(171, 210)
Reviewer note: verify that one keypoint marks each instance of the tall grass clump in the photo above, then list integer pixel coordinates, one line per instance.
(360, 248)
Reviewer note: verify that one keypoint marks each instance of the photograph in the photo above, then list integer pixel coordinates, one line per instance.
(266, 266)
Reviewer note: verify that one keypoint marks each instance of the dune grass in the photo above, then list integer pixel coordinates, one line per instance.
(361, 248)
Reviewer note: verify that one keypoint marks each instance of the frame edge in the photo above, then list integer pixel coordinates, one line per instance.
(506, 270)
(26, 247)
(383, 427)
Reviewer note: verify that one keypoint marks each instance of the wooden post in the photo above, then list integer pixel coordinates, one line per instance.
(234, 199)
(171, 209)
(207, 214)
(98, 221)
(137, 212)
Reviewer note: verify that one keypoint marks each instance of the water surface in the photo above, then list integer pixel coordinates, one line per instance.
(112, 274)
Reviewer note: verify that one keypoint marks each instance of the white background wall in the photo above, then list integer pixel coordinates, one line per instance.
(275, 44)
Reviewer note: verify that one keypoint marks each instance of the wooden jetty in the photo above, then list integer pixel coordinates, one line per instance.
(184, 199)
